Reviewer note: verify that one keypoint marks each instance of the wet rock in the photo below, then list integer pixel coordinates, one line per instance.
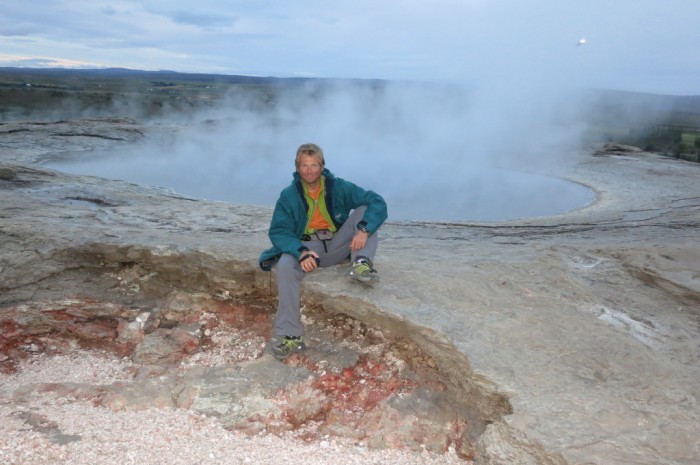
(167, 346)
(36, 141)
(236, 393)
(612, 148)
(44, 326)
(332, 357)
(145, 394)
(500, 445)
(41, 424)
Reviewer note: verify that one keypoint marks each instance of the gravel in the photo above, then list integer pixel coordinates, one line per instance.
(65, 431)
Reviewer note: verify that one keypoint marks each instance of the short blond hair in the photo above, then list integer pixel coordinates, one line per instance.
(309, 149)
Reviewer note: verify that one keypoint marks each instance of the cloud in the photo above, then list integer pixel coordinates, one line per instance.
(436, 152)
(514, 69)
(36, 62)
(386, 39)
(202, 19)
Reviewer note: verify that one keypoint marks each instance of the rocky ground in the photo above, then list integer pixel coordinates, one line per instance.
(134, 320)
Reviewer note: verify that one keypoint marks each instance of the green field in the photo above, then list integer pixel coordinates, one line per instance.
(37, 94)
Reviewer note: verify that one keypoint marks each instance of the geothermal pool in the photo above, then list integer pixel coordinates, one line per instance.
(429, 192)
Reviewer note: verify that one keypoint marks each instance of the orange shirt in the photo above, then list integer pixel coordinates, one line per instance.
(317, 220)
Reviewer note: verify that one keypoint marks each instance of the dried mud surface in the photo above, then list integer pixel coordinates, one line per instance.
(211, 394)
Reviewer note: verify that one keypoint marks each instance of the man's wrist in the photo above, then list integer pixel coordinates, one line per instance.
(362, 226)
(305, 257)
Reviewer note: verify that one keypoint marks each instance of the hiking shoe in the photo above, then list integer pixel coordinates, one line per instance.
(287, 346)
(362, 271)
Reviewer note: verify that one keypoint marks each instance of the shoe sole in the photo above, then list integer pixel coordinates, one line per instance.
(362, 279)
(284, 356)
(279, 356)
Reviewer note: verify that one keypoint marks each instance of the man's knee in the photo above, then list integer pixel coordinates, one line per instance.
(287, 263)
(359, 211)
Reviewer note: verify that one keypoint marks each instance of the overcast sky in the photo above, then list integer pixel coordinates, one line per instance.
(643, 45)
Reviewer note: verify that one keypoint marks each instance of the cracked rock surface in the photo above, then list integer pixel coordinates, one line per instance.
(571, 339)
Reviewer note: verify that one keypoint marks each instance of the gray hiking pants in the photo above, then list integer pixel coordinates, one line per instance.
(290, 274)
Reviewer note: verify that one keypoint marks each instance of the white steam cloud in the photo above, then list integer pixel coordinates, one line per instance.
(435, 152)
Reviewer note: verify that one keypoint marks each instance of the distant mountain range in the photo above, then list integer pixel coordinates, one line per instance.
(641, 100)
(159, 75)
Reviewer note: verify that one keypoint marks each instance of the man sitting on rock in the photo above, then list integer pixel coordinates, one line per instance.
(318, 221)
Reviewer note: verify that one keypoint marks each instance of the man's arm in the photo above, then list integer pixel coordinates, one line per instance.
(376, 212)
(283, 230)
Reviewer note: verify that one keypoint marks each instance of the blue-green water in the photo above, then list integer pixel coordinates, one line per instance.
(424, 193)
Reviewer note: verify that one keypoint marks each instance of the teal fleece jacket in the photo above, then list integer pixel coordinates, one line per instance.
(290, 215)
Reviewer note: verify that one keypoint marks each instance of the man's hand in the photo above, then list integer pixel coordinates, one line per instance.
(308, 261)
(359, 240)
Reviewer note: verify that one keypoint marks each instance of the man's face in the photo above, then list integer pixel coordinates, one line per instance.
(309, 169)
